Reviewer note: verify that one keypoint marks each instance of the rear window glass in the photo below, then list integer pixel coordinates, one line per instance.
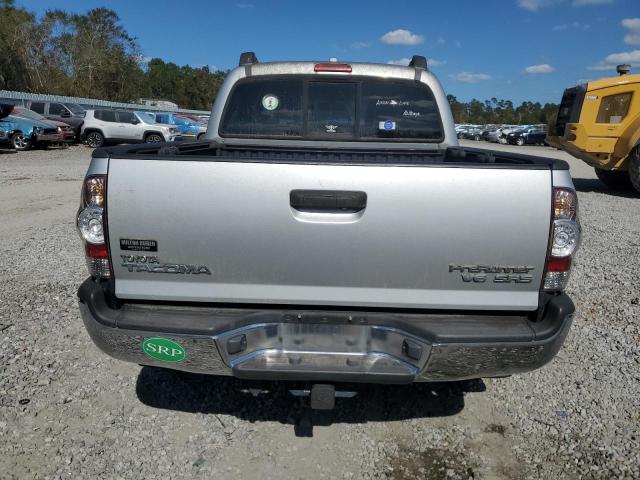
(265, 108)
(399, 110)
(332, 109)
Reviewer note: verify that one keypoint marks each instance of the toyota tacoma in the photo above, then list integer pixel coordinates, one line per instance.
(329, 229)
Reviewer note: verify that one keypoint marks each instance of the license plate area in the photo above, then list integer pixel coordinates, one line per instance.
(322, 346)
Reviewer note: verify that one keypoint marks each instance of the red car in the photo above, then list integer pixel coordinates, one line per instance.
(67, 134)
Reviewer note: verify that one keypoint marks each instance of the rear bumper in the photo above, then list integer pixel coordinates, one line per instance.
(50, 137)
(311, 345)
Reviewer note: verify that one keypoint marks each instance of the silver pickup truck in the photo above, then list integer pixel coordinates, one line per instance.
(329, 229)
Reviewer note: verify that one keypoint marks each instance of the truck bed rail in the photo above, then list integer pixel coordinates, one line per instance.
(212, 151)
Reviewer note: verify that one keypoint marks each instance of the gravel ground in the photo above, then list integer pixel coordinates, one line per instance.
(69, 411)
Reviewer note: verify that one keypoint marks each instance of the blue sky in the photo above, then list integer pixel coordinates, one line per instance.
(513, 49)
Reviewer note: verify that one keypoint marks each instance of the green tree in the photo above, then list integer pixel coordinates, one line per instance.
(16, 27)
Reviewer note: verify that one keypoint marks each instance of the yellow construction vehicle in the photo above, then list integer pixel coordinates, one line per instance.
(599, 123)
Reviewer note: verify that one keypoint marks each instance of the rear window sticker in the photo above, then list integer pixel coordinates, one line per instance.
(387, 125)
(393, 103)
(270, 102)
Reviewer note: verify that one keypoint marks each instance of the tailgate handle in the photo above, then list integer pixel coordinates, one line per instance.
(337, 201)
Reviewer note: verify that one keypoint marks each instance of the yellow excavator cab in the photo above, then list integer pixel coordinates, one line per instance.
(599, 123)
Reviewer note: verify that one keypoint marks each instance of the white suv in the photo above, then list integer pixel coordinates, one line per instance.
(123, 126)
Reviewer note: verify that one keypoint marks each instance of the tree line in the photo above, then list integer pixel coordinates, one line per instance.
(91, 55)
(496, 111)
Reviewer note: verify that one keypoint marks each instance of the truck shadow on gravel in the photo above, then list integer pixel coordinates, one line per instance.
(215, 395)
(593, 185)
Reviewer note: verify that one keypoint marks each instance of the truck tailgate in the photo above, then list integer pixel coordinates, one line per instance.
(429, 236)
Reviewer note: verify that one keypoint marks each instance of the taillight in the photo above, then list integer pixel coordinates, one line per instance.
(565, 239)
(90, 223)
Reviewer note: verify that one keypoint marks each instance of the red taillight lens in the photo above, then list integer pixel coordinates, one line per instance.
(96, 251)
(555, 264)
(565, 239)
(90, 223)
(332, 67)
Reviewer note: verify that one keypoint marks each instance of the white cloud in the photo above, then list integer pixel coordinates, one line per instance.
(633, 25)
(441, 41)
(245, 6)
(401, 37)
(468, 77)
(533, 5)
(401, 61)
(431, 62)
(632, 39)
(567, 26)
(610, 61)
(582, 3)
(542, 68)
(359, 45)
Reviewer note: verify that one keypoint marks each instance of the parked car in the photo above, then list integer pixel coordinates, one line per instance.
(5, 133)
(67, 133)
(26, 132)
(189, 129)
(527, 136)
(491, 134)
(473, 133)
(195, 118)
(504, 131)
(123, 126)
(326, 236)
(69, 113)
(197, 129)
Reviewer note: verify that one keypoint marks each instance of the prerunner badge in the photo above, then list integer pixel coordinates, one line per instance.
(163, 349)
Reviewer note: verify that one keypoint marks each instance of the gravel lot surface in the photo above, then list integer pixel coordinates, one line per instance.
(69, 411)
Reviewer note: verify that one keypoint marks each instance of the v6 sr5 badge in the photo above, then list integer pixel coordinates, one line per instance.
(483, 273)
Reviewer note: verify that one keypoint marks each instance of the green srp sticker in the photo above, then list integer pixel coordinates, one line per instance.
(163, 349)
